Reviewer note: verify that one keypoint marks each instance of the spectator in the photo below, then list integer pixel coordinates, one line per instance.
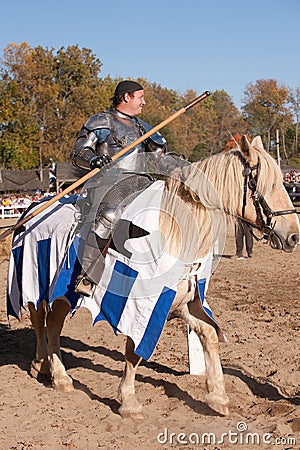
(243, 232)
(293, 174)
(6, 201)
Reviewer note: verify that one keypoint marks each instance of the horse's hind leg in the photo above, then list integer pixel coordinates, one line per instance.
(40, 368)
(55, 321)
(130, 407)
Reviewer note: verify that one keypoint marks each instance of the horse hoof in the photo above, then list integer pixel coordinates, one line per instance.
(131, 409)
(34, 372)
(40, 369)
(218, 406)
(137, 417)
(63, 386)
(43, 378)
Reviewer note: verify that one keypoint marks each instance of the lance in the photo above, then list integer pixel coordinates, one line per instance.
(93, 172)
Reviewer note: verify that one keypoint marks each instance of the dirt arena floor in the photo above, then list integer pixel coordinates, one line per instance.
(256, 302)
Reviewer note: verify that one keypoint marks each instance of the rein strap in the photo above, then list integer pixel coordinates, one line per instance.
(260, 204)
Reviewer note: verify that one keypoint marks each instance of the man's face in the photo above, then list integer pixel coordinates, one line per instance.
(134, 103)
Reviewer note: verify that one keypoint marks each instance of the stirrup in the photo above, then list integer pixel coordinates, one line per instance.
(84, 286)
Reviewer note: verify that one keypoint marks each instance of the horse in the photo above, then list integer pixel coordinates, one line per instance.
(245, 183)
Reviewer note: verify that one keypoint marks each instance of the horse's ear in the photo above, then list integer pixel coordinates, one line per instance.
(257, 143)
(245, 147)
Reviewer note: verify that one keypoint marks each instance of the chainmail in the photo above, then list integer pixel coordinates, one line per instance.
(125, 188)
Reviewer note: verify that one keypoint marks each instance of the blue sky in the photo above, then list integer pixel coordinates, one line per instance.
(191, 44)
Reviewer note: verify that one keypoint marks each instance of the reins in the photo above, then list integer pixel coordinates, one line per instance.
(260, 204)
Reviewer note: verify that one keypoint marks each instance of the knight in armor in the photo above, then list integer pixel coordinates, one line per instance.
(102, 136)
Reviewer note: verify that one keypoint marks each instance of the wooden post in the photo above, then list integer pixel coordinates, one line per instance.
(277, 146)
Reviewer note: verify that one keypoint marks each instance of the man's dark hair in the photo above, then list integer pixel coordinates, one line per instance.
(117, 99)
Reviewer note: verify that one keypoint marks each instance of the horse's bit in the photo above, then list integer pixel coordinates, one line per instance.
(260, 204)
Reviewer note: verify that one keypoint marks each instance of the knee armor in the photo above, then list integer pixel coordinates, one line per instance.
(106, 220)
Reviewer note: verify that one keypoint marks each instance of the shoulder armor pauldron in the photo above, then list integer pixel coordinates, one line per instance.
(156, 137)
(97, 121)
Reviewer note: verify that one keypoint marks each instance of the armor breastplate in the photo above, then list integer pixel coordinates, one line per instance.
(123, 131)
(111, 131)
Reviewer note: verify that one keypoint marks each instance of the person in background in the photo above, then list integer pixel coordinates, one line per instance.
(243, 235)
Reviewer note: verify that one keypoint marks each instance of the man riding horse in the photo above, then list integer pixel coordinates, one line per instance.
(102, 136)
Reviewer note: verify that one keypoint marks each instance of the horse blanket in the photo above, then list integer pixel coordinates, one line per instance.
(138, 282)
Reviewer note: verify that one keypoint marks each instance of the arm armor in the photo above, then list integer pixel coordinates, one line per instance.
(156, 144)
(170, 162)
(155, 141)
(93, 133)
(84, 150)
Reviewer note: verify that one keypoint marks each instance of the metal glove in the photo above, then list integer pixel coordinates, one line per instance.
(100, 161)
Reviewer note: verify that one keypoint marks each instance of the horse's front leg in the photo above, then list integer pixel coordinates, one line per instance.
(130, 407)
(40, 368)
(55, 321)
(216, 397)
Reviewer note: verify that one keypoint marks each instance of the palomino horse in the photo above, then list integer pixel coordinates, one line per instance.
(244, 183)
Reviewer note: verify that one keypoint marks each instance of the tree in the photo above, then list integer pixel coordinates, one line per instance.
(266, 109)
(227, 120)
(17, 109)
(200, 127)
(45, 96)
(160, 104)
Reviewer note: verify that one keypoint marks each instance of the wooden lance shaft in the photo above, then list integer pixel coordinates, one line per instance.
(96, 170)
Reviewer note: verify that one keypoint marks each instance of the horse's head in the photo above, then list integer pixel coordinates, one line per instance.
(266, 204)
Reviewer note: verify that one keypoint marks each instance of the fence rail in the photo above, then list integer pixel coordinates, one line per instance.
(10, 212)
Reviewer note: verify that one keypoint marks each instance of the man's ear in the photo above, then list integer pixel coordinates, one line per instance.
(126, 97)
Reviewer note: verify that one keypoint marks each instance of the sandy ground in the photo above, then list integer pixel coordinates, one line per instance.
(256, 302)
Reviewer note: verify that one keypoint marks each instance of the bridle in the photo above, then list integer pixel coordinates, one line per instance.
(265, 225)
